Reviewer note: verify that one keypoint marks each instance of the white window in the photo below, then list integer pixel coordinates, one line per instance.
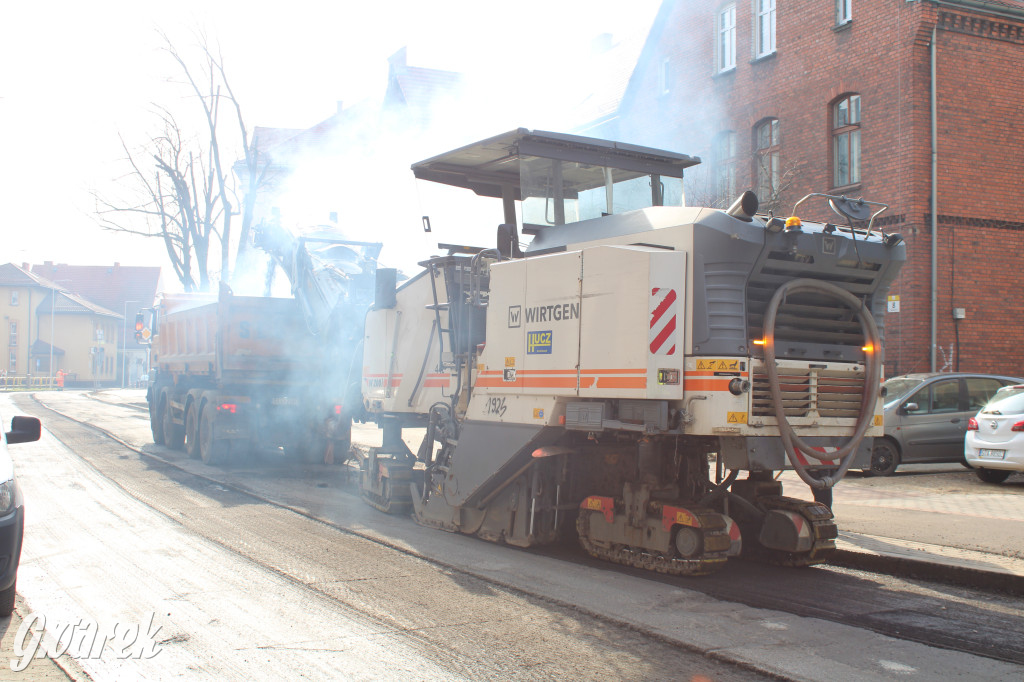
(844, 12)
(765, 23)
(664, 77)
(846, 141)
(14, 334)
(14, 297)
(13, 364)
(727, 38)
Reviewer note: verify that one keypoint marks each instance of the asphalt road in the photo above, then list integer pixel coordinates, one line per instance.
(276, 571)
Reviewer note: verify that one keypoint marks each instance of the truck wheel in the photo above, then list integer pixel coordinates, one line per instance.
(211, 449)
(192, 430)
(156, 422)
(174, 435)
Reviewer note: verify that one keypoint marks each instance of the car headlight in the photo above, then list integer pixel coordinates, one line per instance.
(6, 496)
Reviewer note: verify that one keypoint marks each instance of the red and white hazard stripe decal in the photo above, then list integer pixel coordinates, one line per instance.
(663, 321)
(823, 462)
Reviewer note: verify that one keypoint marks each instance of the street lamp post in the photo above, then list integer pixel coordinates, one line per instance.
(124, 345)
(53, 313)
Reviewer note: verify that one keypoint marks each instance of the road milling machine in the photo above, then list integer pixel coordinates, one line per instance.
(641, 374)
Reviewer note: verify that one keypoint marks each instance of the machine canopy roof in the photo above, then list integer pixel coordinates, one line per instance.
(492, 167)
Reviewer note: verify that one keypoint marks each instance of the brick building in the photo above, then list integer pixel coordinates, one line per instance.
(789, 97)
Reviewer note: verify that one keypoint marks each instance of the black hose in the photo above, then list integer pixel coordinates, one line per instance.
(872, 378)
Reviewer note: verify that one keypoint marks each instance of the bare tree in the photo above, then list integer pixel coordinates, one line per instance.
(186, 193)
(774, 180)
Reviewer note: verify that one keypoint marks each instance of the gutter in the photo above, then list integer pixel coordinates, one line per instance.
(934, 201)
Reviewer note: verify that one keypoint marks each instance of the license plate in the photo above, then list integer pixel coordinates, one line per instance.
(285, 401)
(991, 454)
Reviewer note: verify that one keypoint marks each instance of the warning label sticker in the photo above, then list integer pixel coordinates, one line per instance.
(737, 417)
(720, 365)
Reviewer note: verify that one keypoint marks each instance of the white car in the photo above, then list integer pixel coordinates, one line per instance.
(994, 445)
(12, 512)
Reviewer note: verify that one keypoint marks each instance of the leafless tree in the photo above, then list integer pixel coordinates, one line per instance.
(186, 193)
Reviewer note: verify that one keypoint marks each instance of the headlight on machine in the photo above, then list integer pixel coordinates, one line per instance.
(6, 496)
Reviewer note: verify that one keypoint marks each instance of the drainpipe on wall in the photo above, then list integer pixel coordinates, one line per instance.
(934, 202)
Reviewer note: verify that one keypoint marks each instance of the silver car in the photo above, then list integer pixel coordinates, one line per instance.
(926, 417)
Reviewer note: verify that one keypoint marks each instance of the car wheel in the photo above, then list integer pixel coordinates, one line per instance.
(992, 475)
(7, 601)
(885, 457)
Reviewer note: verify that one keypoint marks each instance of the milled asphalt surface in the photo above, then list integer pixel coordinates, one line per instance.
(895, 556)
(880, 554)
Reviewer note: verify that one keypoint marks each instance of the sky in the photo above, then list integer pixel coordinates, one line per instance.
(78, 78)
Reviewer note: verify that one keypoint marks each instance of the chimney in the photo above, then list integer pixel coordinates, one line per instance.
(398, 59)
(340, 106)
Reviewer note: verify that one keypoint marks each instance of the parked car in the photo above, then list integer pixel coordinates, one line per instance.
(12, 515)
(994, 445)
(926, 417)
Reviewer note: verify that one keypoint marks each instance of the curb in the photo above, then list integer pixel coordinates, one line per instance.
(930, 569)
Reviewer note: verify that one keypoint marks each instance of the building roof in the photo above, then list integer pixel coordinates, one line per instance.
(610, 69)
(415, 86)
(12, 275)
(40, 347)
(109, 286)
(1013, 7)
(68, 302)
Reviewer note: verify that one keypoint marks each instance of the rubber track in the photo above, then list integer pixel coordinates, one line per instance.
(648, 561)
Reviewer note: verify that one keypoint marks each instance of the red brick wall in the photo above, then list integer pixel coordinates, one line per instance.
(883, 55)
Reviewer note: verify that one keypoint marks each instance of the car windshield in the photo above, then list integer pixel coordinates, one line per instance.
(1009, 400)
(898, 387)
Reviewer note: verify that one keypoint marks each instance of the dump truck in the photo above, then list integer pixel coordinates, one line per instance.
(233, 375)
(639, 374)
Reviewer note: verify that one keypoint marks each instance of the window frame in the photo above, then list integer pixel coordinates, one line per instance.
(14, 297)
(725, 37)
(846, 136)
(769, 172)
(764, 14)
(664, 74)
(725, 155)
(844, 12)
(12, 336)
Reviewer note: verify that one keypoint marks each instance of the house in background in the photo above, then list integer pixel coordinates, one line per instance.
(122, 289)
(77, 337)
(80, 336)
(313, 176)
(913, 104)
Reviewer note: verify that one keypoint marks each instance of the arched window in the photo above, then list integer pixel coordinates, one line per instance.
(846, 141)
(724, 155)
(766, 137)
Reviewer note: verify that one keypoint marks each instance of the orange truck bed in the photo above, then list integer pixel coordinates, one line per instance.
(234, 339)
